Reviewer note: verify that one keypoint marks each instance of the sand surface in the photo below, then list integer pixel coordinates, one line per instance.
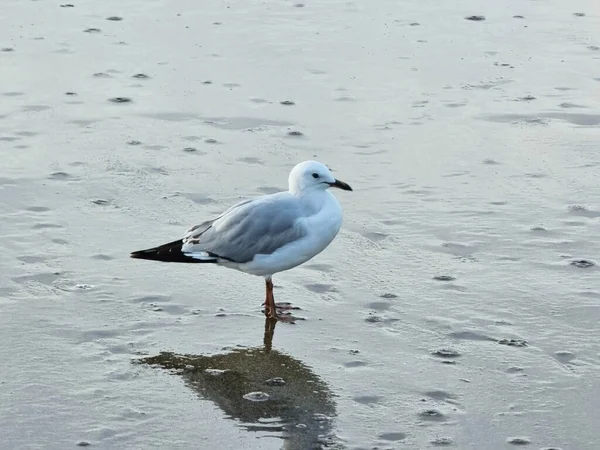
(460, 305)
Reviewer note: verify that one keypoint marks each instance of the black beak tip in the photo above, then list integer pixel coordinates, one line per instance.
(342, 185)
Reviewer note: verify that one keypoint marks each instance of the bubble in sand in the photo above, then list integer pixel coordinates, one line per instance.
(372, 318)
(276, 381)
(564, 356)
(444, 278)
(92, 30)
(446, 353)
(526, 98)
(83, 443)
(141, 76)
(295, 133)
(475, 18)
(393, 436)
(84, 287)
(257, 396)
(518, 441)
(431, 414)
(120, 100)
(287, 102)
(216, 372)
(513, 342)
(582, 263)
(60, 176)
(355, 364)
(582, 211)
(318, 417)
(441, 441)
(114, 18)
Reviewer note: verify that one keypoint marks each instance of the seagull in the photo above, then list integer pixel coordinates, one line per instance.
(265, 235)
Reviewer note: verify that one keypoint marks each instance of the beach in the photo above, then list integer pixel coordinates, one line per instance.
(459, 306)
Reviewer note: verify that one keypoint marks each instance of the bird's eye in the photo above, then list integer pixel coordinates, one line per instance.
(315, 175)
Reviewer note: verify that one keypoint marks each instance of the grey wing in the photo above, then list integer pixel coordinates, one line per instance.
(197, 230)
(255, 227)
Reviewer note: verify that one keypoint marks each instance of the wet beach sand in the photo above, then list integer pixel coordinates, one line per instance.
(458, 308)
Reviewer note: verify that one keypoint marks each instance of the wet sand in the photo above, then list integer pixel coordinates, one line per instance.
(459, 306)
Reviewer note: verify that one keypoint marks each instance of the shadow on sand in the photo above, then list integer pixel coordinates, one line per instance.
(262, 388)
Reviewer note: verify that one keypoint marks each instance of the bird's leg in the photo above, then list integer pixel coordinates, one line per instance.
(282, 306)
(271, 307)
(270, 310)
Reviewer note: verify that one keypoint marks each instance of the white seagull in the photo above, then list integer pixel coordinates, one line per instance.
(266, 235)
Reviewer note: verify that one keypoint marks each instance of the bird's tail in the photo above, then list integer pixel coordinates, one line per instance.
(170, 252)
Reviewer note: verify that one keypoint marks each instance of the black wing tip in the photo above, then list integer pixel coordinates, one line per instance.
(170, 252)
(166, 252)
(138, 254)
(150, 254)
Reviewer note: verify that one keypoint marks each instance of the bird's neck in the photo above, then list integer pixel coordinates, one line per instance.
(304, 192)
(313, 198)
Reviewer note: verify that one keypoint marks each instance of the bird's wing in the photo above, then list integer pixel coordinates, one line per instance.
(195, 231)
(247, 229)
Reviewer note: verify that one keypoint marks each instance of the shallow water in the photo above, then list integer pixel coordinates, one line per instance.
(459, 306)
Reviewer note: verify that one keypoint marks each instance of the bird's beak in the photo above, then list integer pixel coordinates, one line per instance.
(341, 185)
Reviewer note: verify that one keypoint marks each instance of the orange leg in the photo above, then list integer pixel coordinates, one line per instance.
(271, 307)
(270, 310)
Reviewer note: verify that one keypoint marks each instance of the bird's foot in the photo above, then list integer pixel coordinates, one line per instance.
(284, 306)
(282, 315)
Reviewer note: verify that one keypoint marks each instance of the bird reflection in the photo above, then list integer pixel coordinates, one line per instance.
(262, 388)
